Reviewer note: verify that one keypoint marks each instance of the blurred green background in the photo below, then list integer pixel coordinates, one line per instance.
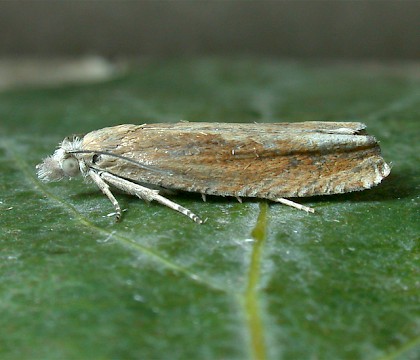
(323, 29)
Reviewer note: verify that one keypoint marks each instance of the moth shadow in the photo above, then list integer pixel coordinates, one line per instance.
(94, 194)
(398, 185)
(191, 196)
(125, 199)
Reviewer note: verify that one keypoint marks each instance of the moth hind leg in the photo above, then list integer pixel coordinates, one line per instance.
(294, 204)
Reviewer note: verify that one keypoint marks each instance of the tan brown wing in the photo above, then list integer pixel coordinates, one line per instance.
(250, 160)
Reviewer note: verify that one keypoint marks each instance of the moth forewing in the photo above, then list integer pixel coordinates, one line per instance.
(246, 160)
(271, 161)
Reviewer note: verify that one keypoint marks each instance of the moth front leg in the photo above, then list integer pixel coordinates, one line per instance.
(145, 194)
(105, 189)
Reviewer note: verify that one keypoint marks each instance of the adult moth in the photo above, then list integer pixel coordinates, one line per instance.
(269, 161)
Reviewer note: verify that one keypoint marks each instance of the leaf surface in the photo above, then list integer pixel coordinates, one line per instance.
(257, 280)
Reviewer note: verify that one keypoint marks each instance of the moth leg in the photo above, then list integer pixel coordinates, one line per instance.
(295, 205)
(105, 189)
(179, 208)
(146, 194)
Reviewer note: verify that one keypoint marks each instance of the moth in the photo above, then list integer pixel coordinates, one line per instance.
(272, 161)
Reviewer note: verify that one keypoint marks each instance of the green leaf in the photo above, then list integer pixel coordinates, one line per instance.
(257, 280)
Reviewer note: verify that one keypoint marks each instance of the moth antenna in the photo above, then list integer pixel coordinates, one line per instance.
(139, 164)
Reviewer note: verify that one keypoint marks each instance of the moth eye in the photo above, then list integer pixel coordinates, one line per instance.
(70, 166)
(96, 158)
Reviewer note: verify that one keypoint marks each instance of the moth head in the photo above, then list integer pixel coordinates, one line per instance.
(62, 164)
